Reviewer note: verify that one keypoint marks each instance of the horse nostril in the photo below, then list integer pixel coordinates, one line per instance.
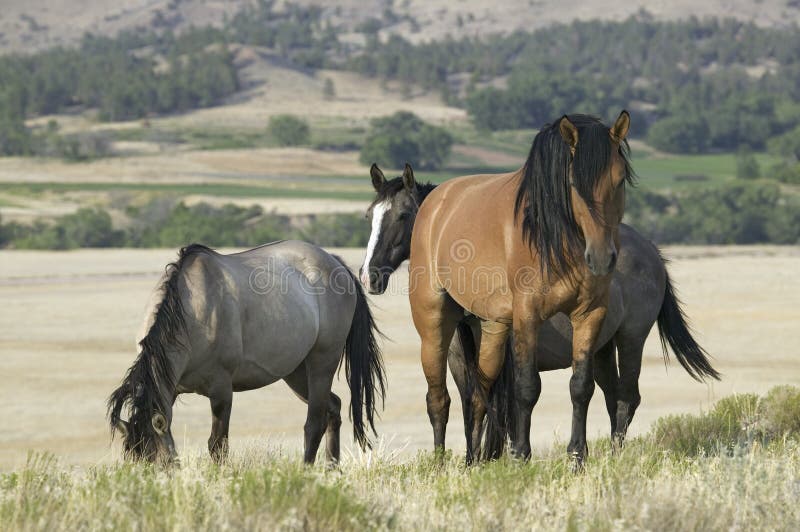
(588, 257)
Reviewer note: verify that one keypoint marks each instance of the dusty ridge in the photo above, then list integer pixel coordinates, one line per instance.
(34, 24)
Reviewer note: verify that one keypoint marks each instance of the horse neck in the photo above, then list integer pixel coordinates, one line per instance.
(423, 191)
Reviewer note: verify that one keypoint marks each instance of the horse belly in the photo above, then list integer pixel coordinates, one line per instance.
(251, 376)
(278, 334)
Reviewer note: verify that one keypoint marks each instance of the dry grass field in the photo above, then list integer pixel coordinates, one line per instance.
(68, 321)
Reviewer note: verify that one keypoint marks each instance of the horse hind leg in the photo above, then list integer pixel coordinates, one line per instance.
(332, 434)
(324, 411)
(436, 317)
(606, 377)
(221, 402)
(457, 360)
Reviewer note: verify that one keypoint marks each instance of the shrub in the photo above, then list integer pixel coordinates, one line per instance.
(405, 138)
(339, 230)
(288, 130)
(746, 165)
(786, 172)
(83, 146)
(679, 134)
(735, 421)
(202, 223)
(778, 412)
(88, 227)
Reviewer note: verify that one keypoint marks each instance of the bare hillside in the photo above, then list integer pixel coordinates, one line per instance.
(33, 24)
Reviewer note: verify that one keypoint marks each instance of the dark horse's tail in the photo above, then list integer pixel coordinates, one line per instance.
(500, 401)
(363, 366)
(673, 330)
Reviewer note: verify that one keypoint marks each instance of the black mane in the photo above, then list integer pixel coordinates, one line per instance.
(548, 223)
(391, 187)
(141, 389)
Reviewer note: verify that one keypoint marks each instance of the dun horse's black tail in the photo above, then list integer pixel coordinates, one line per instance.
(674, 330)
(500, 401)
(364, 367)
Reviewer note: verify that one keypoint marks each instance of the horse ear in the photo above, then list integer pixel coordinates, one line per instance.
(377, 176)
(408, 178)
(568, 132)
(159, 423)
(620, 128)
(122, 427)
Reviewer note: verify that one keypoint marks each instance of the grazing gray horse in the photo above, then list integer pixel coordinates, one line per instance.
(225, 323)
(641, 294)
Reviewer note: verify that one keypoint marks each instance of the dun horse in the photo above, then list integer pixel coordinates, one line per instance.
(226, 323)
(514, 250)
(640, 294)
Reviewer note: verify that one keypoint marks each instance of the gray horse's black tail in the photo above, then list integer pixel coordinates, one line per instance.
(500, 401)
(364, 367)
(674, 330)
(500, 425)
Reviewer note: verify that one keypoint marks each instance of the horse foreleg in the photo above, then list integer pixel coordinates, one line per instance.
(221, 402)
(586, 326)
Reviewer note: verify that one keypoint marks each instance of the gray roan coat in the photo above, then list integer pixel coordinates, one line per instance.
(224, 323)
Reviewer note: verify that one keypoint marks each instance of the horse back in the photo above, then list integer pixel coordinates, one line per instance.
(468, 241)
(255, 315)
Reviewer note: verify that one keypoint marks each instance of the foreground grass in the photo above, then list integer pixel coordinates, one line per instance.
(749, 478)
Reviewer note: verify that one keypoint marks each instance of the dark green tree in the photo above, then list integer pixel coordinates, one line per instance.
(289, 130)
(679, 134)
(746, 165)
(405, 138)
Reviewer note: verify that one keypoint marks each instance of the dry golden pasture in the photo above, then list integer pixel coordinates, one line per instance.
(68, 321)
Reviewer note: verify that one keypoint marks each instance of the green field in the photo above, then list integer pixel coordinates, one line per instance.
(734, 468)
(659, 173)
(220, 190)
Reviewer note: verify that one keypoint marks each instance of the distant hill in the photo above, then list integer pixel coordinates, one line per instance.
(27, 25)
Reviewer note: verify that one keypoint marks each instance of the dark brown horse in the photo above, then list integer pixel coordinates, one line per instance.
(640, 294)
(515, 249)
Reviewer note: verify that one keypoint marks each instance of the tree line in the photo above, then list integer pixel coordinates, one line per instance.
(741, 213)
(693, 85)
(162, 224)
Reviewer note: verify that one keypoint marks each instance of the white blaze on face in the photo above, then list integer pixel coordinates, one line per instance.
(377, 219)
